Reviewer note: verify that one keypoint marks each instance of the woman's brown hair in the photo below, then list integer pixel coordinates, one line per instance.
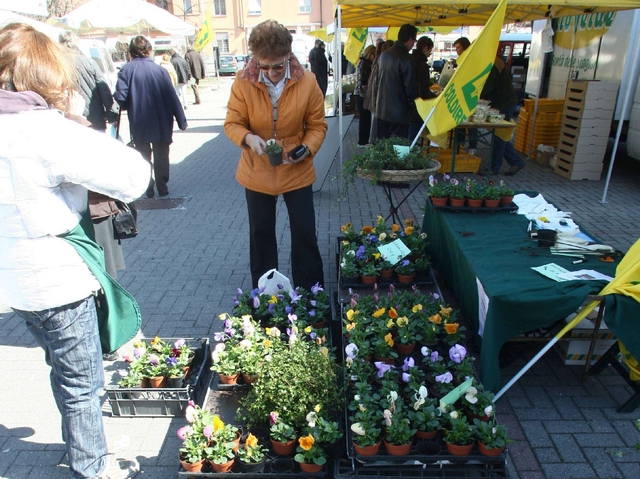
(270, 39)
(30, 61)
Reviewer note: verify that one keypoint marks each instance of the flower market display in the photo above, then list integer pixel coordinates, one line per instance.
(404, 353)
(361, 260)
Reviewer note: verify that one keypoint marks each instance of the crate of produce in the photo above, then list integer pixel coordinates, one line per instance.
(129, 402)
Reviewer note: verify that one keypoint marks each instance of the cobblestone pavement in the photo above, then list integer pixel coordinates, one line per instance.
(186, 263)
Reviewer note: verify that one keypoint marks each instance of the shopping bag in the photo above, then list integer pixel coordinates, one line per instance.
(273, 282)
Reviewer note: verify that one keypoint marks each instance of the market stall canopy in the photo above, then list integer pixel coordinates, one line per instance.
(366, 13)
(7, 17)
(125, 17)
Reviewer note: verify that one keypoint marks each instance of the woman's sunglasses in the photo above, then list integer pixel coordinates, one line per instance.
(275, 67)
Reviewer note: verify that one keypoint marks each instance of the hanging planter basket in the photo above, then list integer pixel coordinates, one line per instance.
(401, 176)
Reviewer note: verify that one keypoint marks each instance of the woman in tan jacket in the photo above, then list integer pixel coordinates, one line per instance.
(276, 98)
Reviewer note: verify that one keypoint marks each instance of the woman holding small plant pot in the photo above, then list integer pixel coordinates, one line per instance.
(275, 98)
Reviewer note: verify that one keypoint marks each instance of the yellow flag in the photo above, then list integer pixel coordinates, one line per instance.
(459, 98)
(205, 35)
(356, 38)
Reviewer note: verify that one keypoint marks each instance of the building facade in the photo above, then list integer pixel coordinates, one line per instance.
(232, 20)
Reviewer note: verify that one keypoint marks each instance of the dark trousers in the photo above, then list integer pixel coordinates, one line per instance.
(504, 149)
(323, 82)
(386, 129)
(306, 263)
(195, 90)
(160, 164)
(364, 127)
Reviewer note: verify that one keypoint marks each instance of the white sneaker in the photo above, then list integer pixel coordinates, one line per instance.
(472, 151)
(119, 468)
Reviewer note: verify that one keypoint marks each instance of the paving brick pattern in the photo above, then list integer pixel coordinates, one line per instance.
(186, 264)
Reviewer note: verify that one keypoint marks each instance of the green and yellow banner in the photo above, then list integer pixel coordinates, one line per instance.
(356, 38)
(205, 35)
(459, 98)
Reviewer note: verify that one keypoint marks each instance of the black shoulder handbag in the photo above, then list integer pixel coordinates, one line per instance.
(124, 221)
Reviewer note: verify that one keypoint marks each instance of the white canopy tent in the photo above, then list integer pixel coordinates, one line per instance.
(7, 17)
(125, 17)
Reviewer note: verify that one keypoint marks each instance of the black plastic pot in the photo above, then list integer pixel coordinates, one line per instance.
(275, 159)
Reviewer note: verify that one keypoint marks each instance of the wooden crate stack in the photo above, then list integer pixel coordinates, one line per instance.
(586, 121)
(547, 125)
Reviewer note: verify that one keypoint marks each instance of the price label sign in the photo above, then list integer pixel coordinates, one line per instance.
(394, 252)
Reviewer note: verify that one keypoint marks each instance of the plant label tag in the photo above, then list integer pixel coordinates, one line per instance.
(456, 394)
(402, 151)
(394, 252)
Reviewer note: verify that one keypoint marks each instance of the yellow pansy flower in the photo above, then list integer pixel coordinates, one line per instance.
(273, 300)
(351, 326)
(306, 442)
(251, 441)
(155, 341)
(266, 343)
(416, 308)
(379, 312)
(376, 255)
(324, 351)
(446, 312)
(389, 340)
(408, 230)
(351, 314)
(308, 329)
(390, 323)
(403, 321)
(408, 222)
(217, 424)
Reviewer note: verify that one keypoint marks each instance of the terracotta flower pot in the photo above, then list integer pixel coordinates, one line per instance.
(397, 450)
(474, 203)
(496, 451)
(506, 200)
(236, 441)
(386, 273)
(439, 201)
(457, 450)
(284, 448)
(404, 349)
(491, 203)
(457, 201)
(406, 278)
(192, 467)
(306, 467)
(249, 378)
(226, 467)
(426, 434)
(157, 382)
(367, 450)
(368, 279)
(225, 379)
(319, 324)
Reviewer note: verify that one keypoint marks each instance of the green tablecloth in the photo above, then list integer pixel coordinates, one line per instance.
(495, 248)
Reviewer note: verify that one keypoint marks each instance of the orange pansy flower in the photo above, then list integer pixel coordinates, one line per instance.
(393, 314)
(367, 229)
(408, 230)
(436, 318)
(408, 222)
(389, 340)
(451, 328)
(306, 442)
(395, 228)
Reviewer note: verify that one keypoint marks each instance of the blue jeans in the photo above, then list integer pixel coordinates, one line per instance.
(69, 336)
(505, 149)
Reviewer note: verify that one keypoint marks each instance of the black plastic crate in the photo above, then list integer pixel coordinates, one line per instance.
(129, 402)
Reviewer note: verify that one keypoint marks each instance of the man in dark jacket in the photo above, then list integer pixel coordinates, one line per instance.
(397, 86)
(420, 57)
(319, 65)
(182, 72)
(95, 92)
(197, 70)
(145, 90)
(498, 89)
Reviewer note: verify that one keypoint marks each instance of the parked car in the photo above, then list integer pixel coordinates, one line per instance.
(242, 61)
(438, 64)
(228, 65)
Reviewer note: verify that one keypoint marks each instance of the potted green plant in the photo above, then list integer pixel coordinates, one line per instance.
(406, 271)
(457, 192)
(439, 191)
(349, 270)
(492, 195)
(282, 435)
(475, 193)
(327, 433)
(252, 455)
(385, 268)
(310, 455)
(192, 451)
(226, 362)
(399, 432)
(274, 152)
(221, 456)
(406, 335)
(424, 415)
(506, 194)
(422, 268)
(459, 435)
(382, 158)
(492, 437)
(369, 272)
(478, 402)
(366, 437)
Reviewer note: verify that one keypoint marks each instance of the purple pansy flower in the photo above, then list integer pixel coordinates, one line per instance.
(434, 357)
(382, 368)
(447, 377)
(406, 377)
(316, 288)
(457, 353)
(408, 363)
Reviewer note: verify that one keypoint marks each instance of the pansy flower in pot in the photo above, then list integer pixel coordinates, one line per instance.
(349, 268)
(226, 361)
(220, 454)
(459, 435)
(406, 334)
(309, 453)
(438, 189)
(192, 451)
(453, 332)
(424, 414)
(413, 377)
(474, 191)
(444, 383)
(432, 360)
(399, 432)
(492, 437)
(461, 363)
(348, 231)
(491, 191)
(478, 402)
(252, 454)
(366, 436)
(283, 435)
(457, 188)
(405, 268)
(506, 193)
(274, 152)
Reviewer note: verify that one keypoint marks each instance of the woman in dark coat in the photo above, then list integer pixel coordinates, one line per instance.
(363, 72)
